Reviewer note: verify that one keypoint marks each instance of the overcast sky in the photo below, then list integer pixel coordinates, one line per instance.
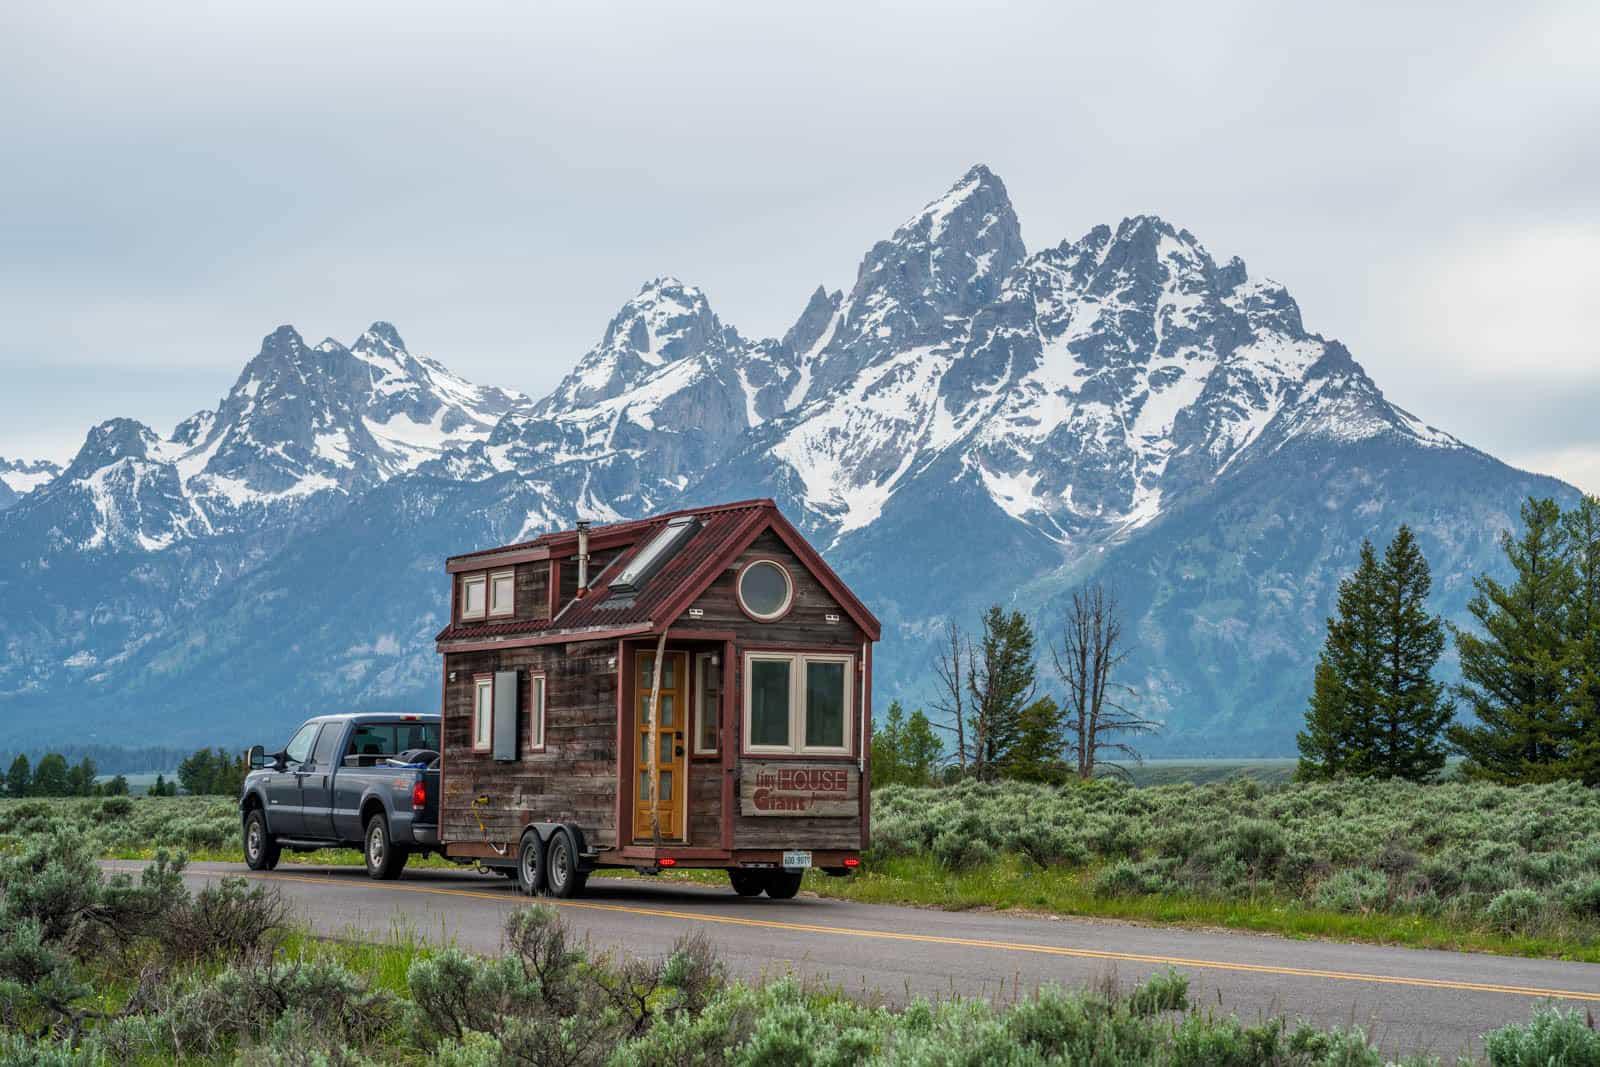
(496, 179)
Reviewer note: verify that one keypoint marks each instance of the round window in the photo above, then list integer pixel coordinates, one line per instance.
(765, 590)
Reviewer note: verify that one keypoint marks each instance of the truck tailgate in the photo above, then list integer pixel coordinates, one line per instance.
(429, 815)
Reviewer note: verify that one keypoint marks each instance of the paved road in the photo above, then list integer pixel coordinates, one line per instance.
(1408, 1000)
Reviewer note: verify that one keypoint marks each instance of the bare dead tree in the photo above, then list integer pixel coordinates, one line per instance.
(1090, 653)
(953, 667)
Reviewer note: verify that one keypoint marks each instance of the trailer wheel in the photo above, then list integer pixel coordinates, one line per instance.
(783, 885)
(747, 883)
(562, 876)
(261, 851)
(530, 865)
(385, 859)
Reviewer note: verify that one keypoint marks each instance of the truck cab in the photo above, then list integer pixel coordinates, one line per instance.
(365, 780)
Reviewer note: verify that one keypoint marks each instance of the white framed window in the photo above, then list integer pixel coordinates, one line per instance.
(474, 596)
(797, 703)
(707, 704)
(536, 711)
(483, 713)
(765, 590)
(503, 593)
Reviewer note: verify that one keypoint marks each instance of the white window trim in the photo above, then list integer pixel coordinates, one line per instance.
(538, 695)
(510, 608)
(480, 683)
(788, 596)
(797, 703)
(474, 579)
(703, 666)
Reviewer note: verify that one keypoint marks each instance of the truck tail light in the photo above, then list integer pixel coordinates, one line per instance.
(419, 795)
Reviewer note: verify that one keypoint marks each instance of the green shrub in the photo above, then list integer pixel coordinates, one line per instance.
(1552, 1038)
(1514, 910)
(1358, 889)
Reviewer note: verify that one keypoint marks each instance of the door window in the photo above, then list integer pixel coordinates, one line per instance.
(324, 752)
(300, 745)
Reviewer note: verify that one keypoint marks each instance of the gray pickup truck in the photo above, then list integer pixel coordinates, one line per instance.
(366, 781)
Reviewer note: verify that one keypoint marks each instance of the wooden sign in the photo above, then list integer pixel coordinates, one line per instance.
(814, 789)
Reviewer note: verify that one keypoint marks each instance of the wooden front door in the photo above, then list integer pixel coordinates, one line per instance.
(673, 745)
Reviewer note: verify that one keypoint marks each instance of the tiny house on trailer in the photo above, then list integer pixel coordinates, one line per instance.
(560, 649)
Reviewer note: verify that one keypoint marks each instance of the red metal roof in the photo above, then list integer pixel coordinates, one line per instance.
(724, 531)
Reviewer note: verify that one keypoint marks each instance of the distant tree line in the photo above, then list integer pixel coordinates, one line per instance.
(1530, 666)
(108, 759)
(207, 771)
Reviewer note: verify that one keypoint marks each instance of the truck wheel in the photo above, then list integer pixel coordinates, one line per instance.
(261, 850)
(562, 876)
(783, 885)
(530, 865)
(385, 859)
(747, 883)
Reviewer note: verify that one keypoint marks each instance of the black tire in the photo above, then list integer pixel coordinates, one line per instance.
(530, 865)
(783, 885)
(562, 877)
(261, 851)
(385, 859)
(747, 883)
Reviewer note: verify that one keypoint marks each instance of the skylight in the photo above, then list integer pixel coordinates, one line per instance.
(653, 556)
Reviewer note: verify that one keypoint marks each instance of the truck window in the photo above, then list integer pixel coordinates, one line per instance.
(300, 746)
(392, 738)
(326, 744)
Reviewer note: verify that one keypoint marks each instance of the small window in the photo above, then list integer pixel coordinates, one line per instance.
(707, 704)
(474, 593)
(536, 726)
(797, 703)
(768, 701)
(765, 590)
(502, 593)
(483, 713)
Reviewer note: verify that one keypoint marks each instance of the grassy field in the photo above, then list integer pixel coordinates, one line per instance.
(99, 969)
(1485, 868)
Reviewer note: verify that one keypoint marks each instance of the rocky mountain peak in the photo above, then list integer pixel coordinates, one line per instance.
(111, 441)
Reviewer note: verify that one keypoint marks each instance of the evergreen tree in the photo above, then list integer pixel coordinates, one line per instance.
(1517, 676)
(1412, 708)
(1344, 697)
(1375, 707)
(80, 779)
(117, 787)
(1039, 754)
(921, 751)
(51, 778)
(19, 780)
(1582, 527)
(887, 767)
(1000, 686)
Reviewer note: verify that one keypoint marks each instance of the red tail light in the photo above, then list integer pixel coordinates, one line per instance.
(419, 795)
(666, 861)
(852, 862)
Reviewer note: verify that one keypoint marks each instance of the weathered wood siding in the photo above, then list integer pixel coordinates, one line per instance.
(805, 627)
(598, 561)
(574, 779)
(533, 590)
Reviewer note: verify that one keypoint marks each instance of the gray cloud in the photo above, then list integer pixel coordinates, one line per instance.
(497, 178)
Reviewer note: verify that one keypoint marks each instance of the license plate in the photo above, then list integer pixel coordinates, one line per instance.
(796, 861)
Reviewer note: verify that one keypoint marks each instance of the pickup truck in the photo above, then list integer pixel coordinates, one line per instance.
(367, 781)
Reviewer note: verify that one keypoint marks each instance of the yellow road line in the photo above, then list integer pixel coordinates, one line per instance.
(965, 942)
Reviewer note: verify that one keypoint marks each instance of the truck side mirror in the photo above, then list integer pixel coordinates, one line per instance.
(257, 757)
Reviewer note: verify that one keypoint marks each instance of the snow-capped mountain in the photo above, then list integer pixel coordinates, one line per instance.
(967, 423)
(303, 428)
(19, 477)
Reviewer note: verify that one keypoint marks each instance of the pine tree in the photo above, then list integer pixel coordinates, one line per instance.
(1344, 698)
(1039, 754)
(52, 777)
(1413, 710)
(1000, 685)
(1582, 528)
(1375, 709)
(19, 780)
(1517, 677)
(921, 751)
(887, 766)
